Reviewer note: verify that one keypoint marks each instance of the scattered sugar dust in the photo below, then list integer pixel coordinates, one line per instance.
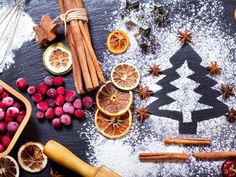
(211, 43)
(24, 33)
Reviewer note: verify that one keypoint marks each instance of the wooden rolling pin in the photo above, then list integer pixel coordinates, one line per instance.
(66, 158)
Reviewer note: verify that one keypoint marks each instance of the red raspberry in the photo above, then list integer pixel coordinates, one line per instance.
(5, 141)
(68, 108)
(52, 93)
(40, 115)
(3, 127)
(60, 100)
(51, 103)
(42, 88)
(87, 102)
(70, 96)
(61, 91)
(58, 81)
(5, 94)
(77, 104)
(1, 90)
(79, 113)
(21, 83)
(56, 122)
(58, 111)
(37, 97)
(7, 102)
(42, 106)
(49, 114)
(65, 119)
(48, 80)
(13, 112)
(8, 118)
(31, 90)
(12, 127)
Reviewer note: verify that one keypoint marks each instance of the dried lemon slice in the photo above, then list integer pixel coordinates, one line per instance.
(9, 167)
(113, 127)
(31, 157)
(57, 59)
(125, 76)
(117, 42)
(112, 101)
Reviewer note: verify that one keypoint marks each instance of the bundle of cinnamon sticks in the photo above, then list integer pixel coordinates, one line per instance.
(86, 68)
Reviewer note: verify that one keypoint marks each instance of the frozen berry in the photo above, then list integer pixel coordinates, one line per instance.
(49, 114)
(12, 127)
(5, 141)
(21, 83)
(1, 90)
(61, 91)
(65, 119)
(7, 101)
(5, 94)
(1, 148)
(40, 115)
(8, 118)
(58, 81)
(3, 127)
(77, 104)
(20, 118)
(16, 105)
(48, 80)
(70, 96)
(37, 97)
(60, 100)
(58, 111)
(2, 113)
(42, 88)
(22, 112)
(51, 103)
(52, 93)
(31, 90)
(56, 122)
(79, 113)
(87, 102)
(13, 112)
(42, 106)
(68, 108)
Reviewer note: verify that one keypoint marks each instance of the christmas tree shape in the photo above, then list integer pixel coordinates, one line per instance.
(187, 95)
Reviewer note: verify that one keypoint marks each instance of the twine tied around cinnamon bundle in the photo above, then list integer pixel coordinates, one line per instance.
(72, 14)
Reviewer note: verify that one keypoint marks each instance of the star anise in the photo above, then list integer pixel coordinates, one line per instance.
(214, 69)
(144, 92)
(55, 173)
(185, 36)
(154, 70)
(142, 113)
(227, 91)
(231, 115)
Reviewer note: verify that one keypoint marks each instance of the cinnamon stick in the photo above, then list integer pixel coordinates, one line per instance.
(163, 156)
(187, 141)
(214, 155)
(77, 73)
(86, 36)
(78, 40)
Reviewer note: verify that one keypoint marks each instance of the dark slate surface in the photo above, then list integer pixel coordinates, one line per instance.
(28, 63)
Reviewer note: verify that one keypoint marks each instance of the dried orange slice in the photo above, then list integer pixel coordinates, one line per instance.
(9, 167)
(31, 157)
(125, 76)
(117, 42)
(112, 101)
(113, 127)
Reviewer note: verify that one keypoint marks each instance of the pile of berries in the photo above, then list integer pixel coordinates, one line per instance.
(54, 103)
(12, 113)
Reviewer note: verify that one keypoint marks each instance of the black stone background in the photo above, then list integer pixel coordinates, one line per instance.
(28, 64)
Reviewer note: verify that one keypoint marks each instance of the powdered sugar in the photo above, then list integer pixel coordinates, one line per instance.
(211, 43)
(24, 32)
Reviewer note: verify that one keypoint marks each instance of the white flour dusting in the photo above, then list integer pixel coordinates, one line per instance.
(211, 43)
(24, 32)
